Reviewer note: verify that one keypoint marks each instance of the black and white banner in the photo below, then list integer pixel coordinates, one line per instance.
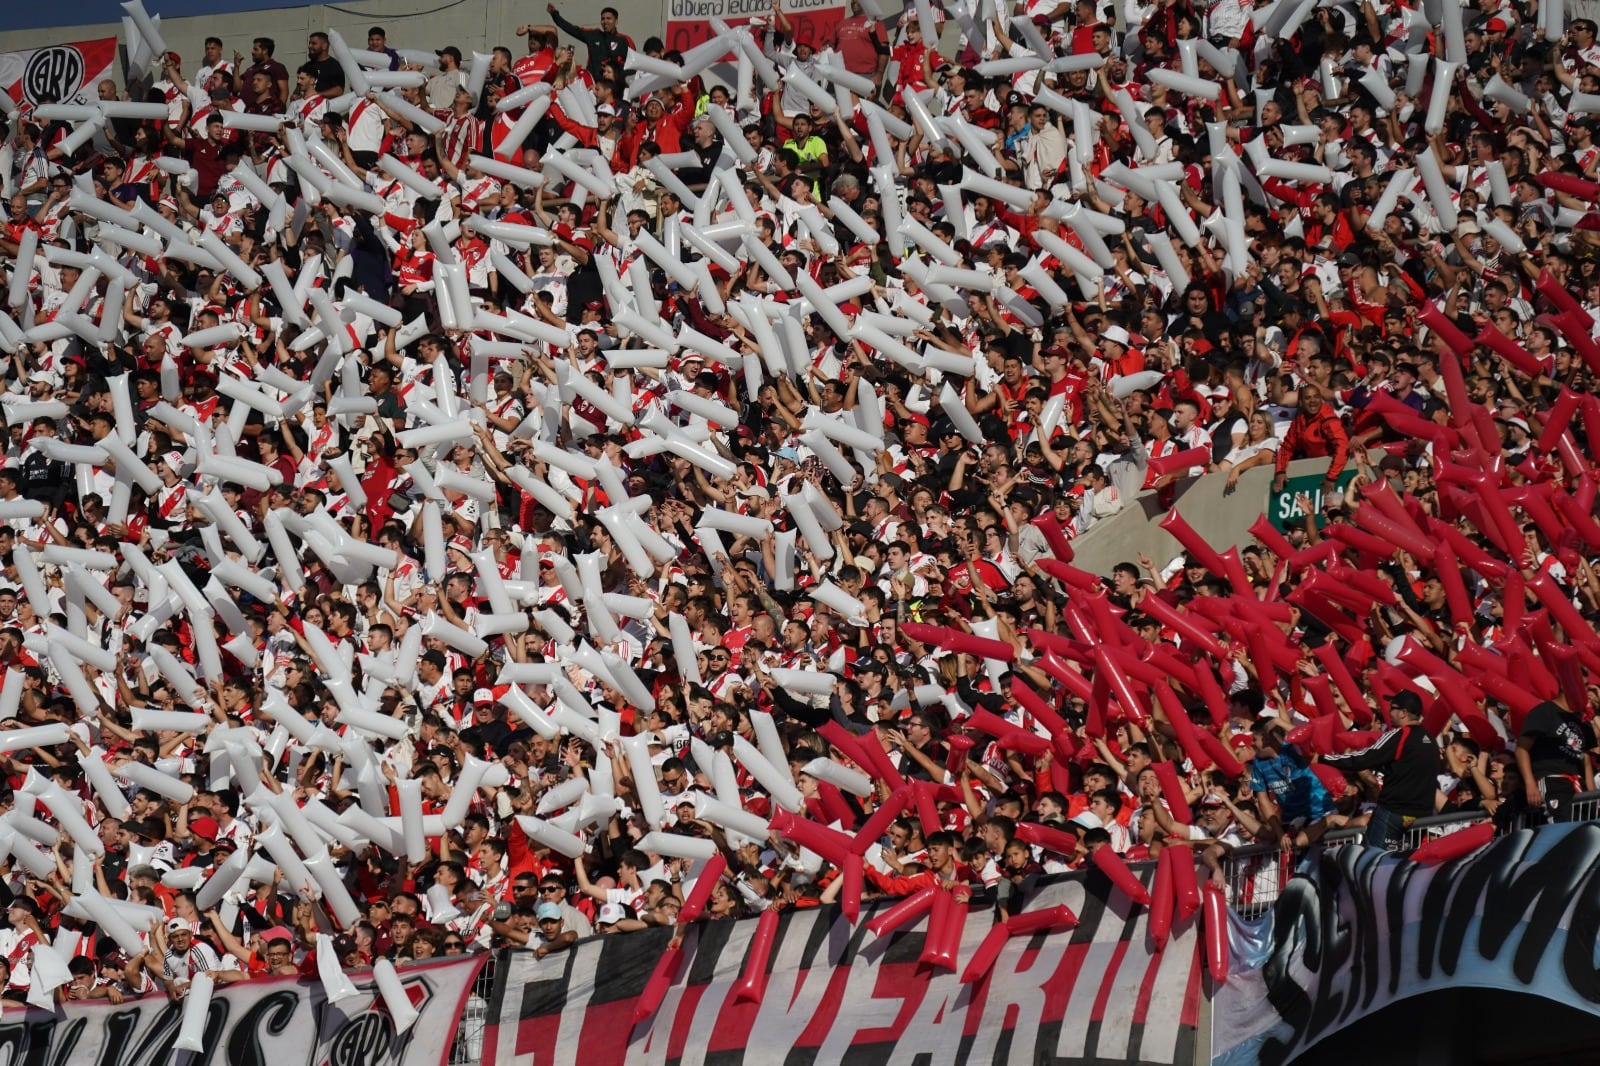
(1100, 992)
(1365, 930)
(276, 1022)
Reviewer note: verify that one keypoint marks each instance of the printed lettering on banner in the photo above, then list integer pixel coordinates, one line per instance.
(65, 73)
(276, 1022)
(835, 992)
(1364, 930)
(689, 21)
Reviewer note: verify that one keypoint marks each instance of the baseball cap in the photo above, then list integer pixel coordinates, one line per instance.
(178, 925)
(204, 828)
(483, 695)
(547, 911)
(605, 109)
(610, 913)
(449, 50)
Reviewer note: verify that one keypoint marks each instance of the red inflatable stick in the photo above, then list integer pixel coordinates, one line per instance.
(1236, 575)
(752, 983)
(1558, 419)
(1380, 496)
(1514, 695)
(1323, 584)
(1165, 659)
(1575, 325)
(872, 830)
(1168, 464)
(1185, 886)
(1070, 679)
(1351, 537)
(1331, 779)
(955, 757)
(1193, 543)
(1267, 533)
(1336, 668)
(850, 894)
(924, 795)
(1110, 863)
(1106, 666)
(1573, 461)
(1219, 753)
(957, 641)
(1049, 920)
(829, 843)
(1319, 554)
(834, 806)
(1455, 389)
(1216, 925)
(1055, 536)
(1581, 521)
(1321, 688)
(655, 989)
(1407, 536)
(1493, 570)
(1454, 845)
(1405, 421)
(1374, 586)
(1448, 332)
(1572, 185)
(1514, 353)
(1034, 704)
(1188, 739)
(1535, 503)
(704, 882)
(1009, 736)
(1162, 900)
(866, 752)
(1048, 837)
(1562, 610)
(945, 924)
(982, 960)
(1329, 614)
(1211, 692)
(909, 909)
(1067, 574)
(1455, 589)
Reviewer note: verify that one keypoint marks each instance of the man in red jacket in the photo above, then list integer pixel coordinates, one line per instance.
(1316, 431)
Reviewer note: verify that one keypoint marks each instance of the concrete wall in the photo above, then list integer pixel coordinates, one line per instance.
(1223, 519)
(471, 25)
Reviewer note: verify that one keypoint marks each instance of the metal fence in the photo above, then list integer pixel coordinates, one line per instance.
(467, 1050)
(1255, 875)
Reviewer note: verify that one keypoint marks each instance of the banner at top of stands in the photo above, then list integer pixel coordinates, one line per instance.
(109, 12)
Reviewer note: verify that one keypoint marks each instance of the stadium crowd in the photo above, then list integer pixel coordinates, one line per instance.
(508, 481)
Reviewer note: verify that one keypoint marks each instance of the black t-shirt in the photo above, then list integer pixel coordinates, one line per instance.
(1559, 740)
(324, 72)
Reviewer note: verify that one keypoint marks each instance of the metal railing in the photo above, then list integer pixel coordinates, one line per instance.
(467, 1048)
(1255, 875)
